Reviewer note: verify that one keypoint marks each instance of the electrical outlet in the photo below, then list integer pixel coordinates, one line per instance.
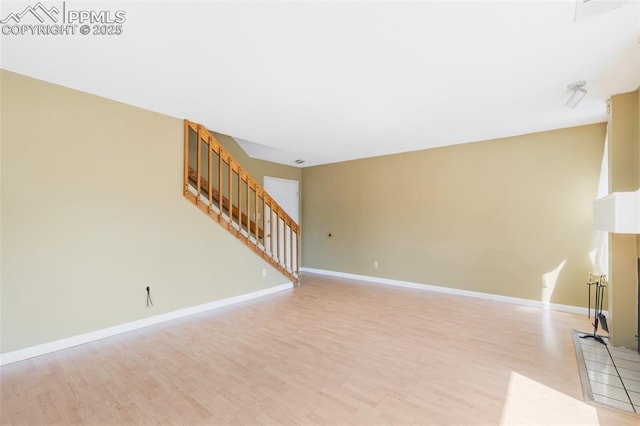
(545, 282)
(264, 272)
(375, 264)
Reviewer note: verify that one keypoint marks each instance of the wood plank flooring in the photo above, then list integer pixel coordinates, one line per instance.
(332, 351)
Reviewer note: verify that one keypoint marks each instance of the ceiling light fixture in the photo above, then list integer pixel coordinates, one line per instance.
(579, 92)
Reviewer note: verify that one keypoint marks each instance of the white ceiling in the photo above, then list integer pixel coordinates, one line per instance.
(332, 81)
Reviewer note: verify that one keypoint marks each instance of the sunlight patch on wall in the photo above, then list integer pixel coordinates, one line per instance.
(549, 280)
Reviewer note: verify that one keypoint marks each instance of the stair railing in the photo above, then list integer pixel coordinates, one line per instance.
(218, 185)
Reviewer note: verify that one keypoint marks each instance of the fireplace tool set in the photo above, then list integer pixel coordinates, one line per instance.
(600, 283)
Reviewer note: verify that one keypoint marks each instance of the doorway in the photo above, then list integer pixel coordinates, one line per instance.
(285, 192)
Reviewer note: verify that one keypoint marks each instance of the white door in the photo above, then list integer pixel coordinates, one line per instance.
(285, 192)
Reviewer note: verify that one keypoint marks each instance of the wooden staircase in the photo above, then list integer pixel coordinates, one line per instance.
(218, 185)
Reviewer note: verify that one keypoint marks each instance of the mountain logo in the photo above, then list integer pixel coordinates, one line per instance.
(39, 11)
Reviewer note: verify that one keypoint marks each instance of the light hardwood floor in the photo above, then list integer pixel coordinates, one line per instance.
(329, 352)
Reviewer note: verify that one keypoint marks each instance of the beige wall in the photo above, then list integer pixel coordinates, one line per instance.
(624, 175)
(491, 216)
(89, 218)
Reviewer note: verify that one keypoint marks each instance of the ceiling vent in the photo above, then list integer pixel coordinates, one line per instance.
(586, 9)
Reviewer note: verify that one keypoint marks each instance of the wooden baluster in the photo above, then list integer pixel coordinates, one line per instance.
(272, 237)
(255, 215)
(291, 245)
(278, 232)
(298, 253)
(220, 183)
(284, 242)
(210, 188)
(230, 210)
(264, 222)
(198, 168)
(239, 199)
(248, 211)
(185, 188)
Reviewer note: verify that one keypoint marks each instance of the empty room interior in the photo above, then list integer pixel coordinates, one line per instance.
(320, 212)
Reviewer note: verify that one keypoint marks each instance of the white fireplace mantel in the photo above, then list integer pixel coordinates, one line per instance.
(618, 212)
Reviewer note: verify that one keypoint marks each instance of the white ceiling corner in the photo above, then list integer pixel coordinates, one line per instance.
(256, 150)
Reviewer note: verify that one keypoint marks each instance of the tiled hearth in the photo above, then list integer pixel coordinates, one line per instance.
(610, 376)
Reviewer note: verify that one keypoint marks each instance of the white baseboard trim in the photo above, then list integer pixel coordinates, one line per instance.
(453, 291)
(56, 345)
